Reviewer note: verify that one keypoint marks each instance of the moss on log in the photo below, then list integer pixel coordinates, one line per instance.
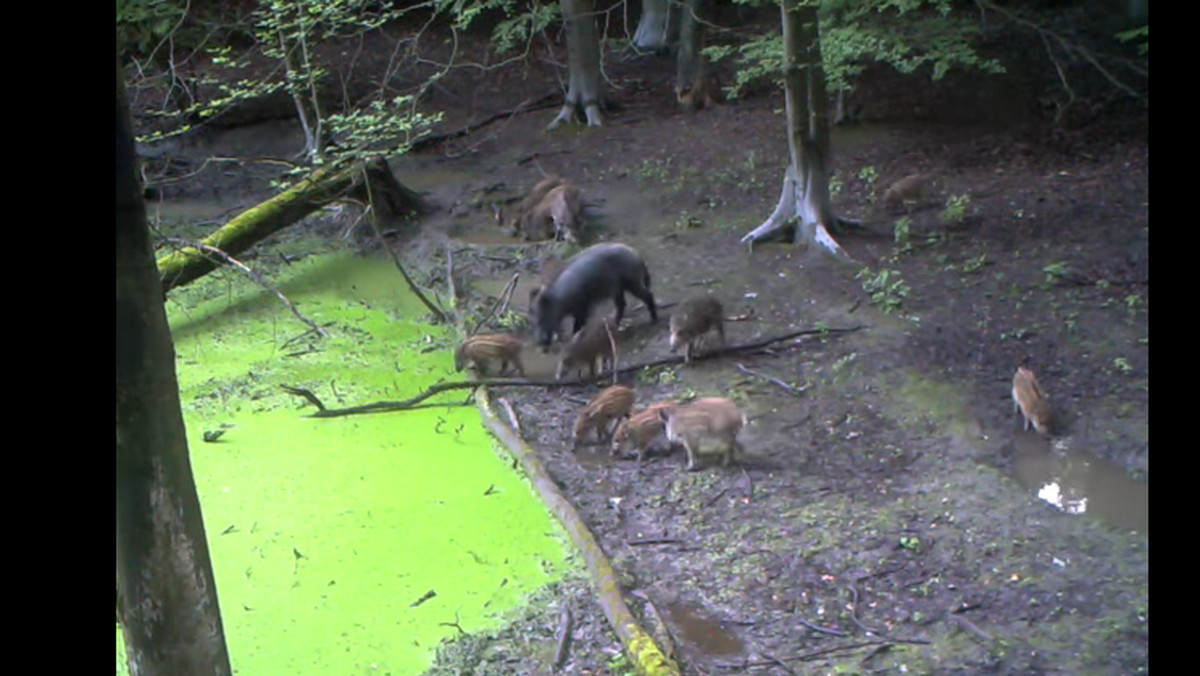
(391, 200)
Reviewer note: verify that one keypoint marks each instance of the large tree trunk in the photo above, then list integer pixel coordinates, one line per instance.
(585, 91)
(690, 89)
(387, 197)
(655, 29)
(166, 598)
(805, 195)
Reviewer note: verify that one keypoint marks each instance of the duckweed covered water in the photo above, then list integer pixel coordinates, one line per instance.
(349, 545)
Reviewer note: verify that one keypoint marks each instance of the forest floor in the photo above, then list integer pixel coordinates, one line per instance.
(889, 512)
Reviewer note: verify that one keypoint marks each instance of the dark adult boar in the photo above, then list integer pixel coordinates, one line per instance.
(594, 274)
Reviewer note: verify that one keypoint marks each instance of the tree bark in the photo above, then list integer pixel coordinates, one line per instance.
(390, 200)
(585, 91)
(690, 90)
(655, 29)
(166, 595)
(805, 195)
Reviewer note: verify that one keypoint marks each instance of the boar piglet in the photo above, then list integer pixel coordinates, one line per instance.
(709, 424)
(481, 351)
(612, 404)
(1029, 398)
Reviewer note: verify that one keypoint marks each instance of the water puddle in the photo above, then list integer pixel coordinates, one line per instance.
(1078, 482)
(693, 625)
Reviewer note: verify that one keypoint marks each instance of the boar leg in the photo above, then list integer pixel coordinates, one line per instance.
(642, 292)
(691, 465)
(619, 301)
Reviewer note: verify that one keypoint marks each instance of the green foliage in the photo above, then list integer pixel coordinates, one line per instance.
(975, 264)
(1140, 35)
(901, 233)
(290, 31)
(1055, 271)
(886, 288)
(520, 27)
(956, 209)
(907, 34)
(869, 176)
(384, 126)
(142, 24)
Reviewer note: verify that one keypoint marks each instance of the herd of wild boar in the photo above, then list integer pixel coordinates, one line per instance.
(608, 271)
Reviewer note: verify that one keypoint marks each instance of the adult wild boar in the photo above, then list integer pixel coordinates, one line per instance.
(594, 274)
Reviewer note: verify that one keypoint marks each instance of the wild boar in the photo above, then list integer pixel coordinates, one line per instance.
(517, 221)
(692, 320)
(641, 430)
(1030, 400)
(587, 347)
(911, 188)
(481, 351)
(598, 272)
(610, 405)
(704, 424)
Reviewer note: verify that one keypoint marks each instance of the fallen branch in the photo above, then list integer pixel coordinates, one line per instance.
(968, 625)
(410, 403)
(504, 295)
(412, 286)
(654, 541)
(823, 630)
(536, 104)
(450, 279)
(659, 628)
(612, 342)
(512, 415)
(307, 394)
(814, 654)
(794, 390)
(258, 279)
(564, 637)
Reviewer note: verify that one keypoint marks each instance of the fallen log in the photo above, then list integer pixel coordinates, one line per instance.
(387, 196)
(639, 647)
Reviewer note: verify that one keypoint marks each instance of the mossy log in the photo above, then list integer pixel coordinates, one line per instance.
(391, 201)
(639, 646)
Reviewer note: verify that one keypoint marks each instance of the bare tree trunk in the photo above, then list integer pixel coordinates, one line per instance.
(389, 198)
(690, 90)
(655, 29)
(805, 195)
(584, 90)
(166, 595)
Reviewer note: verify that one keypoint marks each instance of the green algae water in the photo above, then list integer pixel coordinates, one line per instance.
(349, 545)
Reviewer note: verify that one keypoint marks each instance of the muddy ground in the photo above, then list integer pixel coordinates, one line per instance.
(889, 514)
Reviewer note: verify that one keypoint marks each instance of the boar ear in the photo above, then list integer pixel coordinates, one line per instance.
(663, 415)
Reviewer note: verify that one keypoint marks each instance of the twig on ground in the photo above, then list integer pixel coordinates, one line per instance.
(564, 636)
(258, 279)
(654, 541)
(823, 630)
(512, 414)
(794, 390)
(968, 625)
